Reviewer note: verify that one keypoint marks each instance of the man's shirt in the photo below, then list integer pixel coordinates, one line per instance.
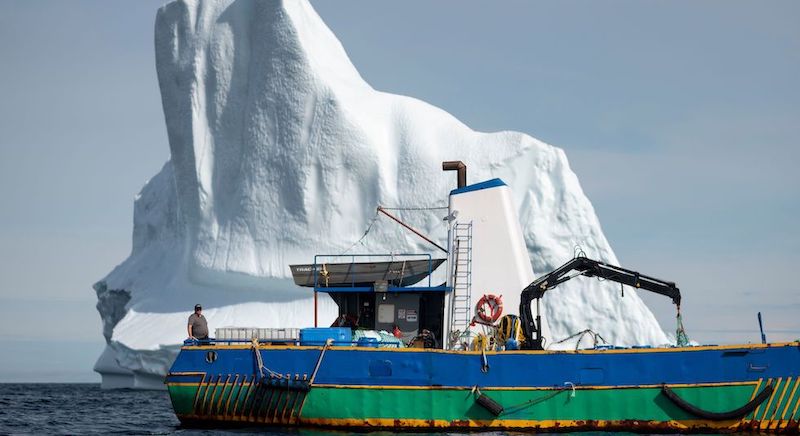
(199, 326)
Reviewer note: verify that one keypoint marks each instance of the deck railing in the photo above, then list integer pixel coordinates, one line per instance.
(288, 342)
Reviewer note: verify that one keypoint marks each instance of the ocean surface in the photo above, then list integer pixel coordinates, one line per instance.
(78, 409)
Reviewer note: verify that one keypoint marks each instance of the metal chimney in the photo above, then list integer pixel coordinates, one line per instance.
(457, 165)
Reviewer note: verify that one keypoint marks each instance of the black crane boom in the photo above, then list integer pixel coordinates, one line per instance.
(589, 268)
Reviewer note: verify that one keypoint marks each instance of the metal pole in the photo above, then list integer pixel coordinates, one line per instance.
(383, 211)
(538, 341)
(316, 283)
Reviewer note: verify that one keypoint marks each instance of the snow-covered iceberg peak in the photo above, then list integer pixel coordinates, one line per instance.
(269, 158)
(281, 150)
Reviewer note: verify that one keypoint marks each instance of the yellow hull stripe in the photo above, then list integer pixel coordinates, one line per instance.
(783, 420)
(779, 403)
(752, 397)
(503, 424)
(794, 412)
(233, 387)
(758, 409)
(505, 388)
(764, 424)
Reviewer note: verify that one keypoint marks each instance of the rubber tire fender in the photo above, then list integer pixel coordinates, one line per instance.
(717, 416)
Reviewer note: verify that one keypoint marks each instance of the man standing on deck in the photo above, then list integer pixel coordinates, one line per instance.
(198, 327)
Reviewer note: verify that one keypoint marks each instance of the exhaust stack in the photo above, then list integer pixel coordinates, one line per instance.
(457, 165)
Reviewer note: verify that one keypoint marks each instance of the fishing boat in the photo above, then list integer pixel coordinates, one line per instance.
(405, 356)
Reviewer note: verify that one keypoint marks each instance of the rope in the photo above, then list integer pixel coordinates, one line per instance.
(457, 338)
(517, 407)
(314, 376)
(366, 232)
(402, 273)
(319, 361)
(580, 336)
(375, 218)
(325, 274)
(260, 362)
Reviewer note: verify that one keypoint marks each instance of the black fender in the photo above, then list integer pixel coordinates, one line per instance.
(718, 416)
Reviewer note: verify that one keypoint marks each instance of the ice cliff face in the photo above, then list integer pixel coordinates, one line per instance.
(280, 150)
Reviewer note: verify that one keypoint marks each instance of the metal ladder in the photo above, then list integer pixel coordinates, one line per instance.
(461, 307)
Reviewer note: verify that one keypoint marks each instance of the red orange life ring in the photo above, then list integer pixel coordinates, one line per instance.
(495, 305)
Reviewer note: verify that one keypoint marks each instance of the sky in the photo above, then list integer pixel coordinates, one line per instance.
(681, 120)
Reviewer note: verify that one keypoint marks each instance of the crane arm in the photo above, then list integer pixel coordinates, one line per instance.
(590, 268)
(594, 268)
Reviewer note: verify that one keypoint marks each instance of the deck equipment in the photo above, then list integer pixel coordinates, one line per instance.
(583, 266)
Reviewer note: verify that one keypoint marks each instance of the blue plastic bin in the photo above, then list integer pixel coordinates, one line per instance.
(368, 342)
(320, 335)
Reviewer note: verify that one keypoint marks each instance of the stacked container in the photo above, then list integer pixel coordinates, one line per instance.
(249, 333)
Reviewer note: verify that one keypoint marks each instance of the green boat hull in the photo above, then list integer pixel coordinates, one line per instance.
(624, 408)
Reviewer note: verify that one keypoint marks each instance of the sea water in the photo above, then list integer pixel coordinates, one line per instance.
(83, 409)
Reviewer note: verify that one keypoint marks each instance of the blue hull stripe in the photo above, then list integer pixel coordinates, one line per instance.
(393, 368)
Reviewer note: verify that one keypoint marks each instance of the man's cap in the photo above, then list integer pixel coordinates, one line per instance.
(198, 307)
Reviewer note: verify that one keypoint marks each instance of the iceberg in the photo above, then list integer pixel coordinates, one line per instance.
(281, 150)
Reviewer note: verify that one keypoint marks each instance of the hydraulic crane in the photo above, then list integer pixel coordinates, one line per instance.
(582, 266)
